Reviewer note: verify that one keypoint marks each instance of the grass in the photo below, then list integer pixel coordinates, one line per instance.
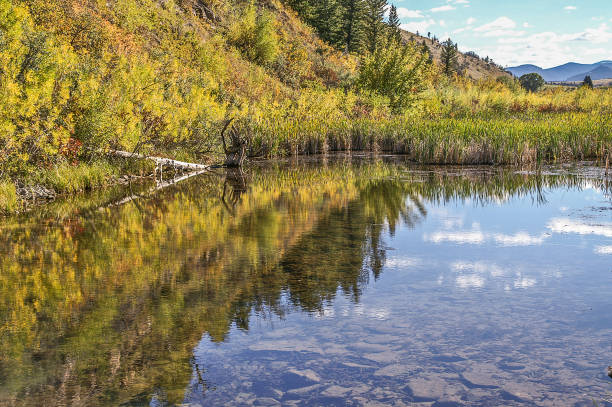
(522, 139)
(8, 197)
(68, 179)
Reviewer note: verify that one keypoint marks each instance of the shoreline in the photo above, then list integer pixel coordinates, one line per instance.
(30, 197)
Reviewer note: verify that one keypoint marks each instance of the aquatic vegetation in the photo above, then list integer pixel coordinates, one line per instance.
(8, 197)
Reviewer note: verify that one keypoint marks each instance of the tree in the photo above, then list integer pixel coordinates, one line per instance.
(304, 8)
(532, 82)
(449, 56)
(395, 70)
(588, 82)
(394, 24)
(374, 23)
(328, 21)
(352, 28)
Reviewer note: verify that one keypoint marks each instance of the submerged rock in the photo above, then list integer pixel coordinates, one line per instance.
(610, 371)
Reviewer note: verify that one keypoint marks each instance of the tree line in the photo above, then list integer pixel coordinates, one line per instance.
(354, 26)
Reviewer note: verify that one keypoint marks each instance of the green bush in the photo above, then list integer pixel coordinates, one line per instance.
(255, 36)
(396, 71)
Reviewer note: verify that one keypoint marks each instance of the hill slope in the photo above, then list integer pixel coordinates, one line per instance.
(471, 66)
(601, 72)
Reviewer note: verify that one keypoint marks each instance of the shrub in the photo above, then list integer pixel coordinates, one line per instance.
(396, 71)
(255, 36)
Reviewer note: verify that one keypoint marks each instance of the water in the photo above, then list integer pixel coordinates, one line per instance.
(340, 282)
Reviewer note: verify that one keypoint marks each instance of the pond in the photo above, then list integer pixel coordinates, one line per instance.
(328, 281)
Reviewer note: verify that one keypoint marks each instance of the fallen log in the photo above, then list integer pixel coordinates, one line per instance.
(160, 161)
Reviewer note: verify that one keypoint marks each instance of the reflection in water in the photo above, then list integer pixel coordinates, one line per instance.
(122, 305)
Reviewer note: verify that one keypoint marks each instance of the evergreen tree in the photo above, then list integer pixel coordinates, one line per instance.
(353, 25)
(394, 24)
(304, 8)
(449, 56)
(328, 20)
(588, 82)
(374, 23)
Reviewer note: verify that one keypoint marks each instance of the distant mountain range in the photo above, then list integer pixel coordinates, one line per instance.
(569, 72)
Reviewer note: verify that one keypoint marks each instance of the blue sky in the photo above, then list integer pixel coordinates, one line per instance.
(514, 32)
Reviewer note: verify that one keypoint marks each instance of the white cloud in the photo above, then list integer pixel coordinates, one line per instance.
(403, 12)
(504, 33)
(550, 48)
(420, 26)
(502, 23)
(569, 8)
(470, 21)
(447, 7)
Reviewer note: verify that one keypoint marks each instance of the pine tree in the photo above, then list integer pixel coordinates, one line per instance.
(449, 56)
(353, 25)
(374, 23)
(328, 21)
(588, 82)
(304, 8)
(394, 24)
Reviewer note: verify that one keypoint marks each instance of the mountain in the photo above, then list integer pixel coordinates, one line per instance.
(566, 72)
(601, 72)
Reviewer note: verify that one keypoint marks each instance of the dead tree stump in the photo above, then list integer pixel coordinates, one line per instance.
(236, 150)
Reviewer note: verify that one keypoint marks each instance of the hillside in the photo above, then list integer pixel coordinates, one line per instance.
(471, 66)
(567, 72)
(80, 80)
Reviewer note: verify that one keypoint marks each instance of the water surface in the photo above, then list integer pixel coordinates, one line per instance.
(326, 282)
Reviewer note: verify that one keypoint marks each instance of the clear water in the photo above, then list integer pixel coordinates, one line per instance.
(342, 282)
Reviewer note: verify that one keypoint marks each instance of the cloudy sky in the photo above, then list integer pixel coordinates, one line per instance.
(514, 32)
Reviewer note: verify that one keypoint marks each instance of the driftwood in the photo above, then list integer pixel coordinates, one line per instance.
(236, 151)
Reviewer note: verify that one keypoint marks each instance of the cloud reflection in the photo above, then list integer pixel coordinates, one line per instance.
(603, 250)
(476, 274)
(477, 237)
(567, 225)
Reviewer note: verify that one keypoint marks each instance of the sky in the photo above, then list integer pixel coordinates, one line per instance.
(546, 33)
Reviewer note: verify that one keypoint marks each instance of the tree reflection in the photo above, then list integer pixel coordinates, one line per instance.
(104, 307)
